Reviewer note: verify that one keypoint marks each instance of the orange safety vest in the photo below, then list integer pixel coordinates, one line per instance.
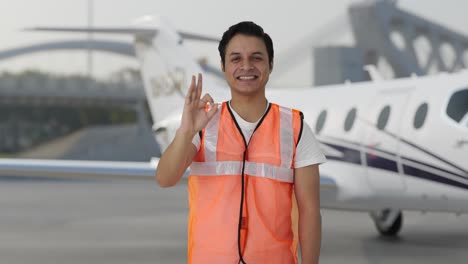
(240, 195)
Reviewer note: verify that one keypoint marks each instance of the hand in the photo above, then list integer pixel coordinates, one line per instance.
(195, 115)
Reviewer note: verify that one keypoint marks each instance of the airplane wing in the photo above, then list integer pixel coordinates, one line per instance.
(86, 169)
(82, 169)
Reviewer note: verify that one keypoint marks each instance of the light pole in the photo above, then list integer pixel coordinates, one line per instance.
(90, 38)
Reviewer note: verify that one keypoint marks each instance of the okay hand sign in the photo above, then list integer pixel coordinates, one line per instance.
(195, 115)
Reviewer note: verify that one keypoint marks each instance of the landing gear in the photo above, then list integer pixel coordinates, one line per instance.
(387, 221)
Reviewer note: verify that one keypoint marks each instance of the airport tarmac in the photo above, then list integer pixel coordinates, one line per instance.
(126, 222)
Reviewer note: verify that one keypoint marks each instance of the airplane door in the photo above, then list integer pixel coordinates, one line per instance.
(381, 147)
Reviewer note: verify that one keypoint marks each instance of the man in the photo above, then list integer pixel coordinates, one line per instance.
(247, 157)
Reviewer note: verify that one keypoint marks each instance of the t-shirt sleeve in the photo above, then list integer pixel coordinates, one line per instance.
(308, 151)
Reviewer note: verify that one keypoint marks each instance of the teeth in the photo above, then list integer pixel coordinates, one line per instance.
(246, 77)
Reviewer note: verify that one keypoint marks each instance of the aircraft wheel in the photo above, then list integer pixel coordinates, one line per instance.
(388, 222)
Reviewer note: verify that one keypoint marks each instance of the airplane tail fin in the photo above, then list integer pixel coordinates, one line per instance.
(166, 65)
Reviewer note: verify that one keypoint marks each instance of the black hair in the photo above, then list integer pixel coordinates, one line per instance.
(248, 28)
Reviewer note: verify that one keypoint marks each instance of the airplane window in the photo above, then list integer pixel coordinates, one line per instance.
(383, 117)
(457, 107)
(320, 121)
(349, 121)
(420, 116)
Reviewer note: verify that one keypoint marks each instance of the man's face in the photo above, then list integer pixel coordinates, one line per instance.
(246, 65)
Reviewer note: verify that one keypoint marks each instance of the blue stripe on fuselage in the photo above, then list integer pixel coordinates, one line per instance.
(376, 160)
(424, 174)
(348, 154)
(379, 162)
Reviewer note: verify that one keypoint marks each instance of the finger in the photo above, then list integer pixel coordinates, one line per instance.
(198, 89)
(194, 91)
(188, 96)
(213, 110)
(207, 99)
(199, 85)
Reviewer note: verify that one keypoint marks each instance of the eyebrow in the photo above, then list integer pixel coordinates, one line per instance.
(234, 53)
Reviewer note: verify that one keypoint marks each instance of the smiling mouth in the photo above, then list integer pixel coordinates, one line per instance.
(247, 78)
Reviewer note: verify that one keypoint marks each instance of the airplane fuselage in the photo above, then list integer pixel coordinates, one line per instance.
(390, 144)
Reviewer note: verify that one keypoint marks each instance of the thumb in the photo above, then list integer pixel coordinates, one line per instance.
(212, 111)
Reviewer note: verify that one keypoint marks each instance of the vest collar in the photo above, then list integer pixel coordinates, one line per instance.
(228, 105)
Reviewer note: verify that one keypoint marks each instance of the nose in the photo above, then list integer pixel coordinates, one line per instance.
(247, 65)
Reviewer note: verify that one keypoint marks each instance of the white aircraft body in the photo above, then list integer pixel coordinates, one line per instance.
(391, 145)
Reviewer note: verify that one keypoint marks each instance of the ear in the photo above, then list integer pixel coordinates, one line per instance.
(222, 66)
(271, 66)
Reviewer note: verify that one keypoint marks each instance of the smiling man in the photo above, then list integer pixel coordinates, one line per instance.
(247, 158)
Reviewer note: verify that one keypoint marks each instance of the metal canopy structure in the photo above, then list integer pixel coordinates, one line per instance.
(391, 38)
(411, 44)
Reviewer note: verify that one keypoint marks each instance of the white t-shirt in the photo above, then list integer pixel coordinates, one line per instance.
(308, 151)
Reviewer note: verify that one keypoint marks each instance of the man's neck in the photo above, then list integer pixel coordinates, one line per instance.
(251, 109)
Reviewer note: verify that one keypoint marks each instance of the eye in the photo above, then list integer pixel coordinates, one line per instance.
(235, 59)
(258, 58)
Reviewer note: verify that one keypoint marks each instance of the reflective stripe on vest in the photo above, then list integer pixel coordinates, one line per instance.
(233, 168)
(287, 137)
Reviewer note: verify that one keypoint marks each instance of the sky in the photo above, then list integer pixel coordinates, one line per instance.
(288, 23)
